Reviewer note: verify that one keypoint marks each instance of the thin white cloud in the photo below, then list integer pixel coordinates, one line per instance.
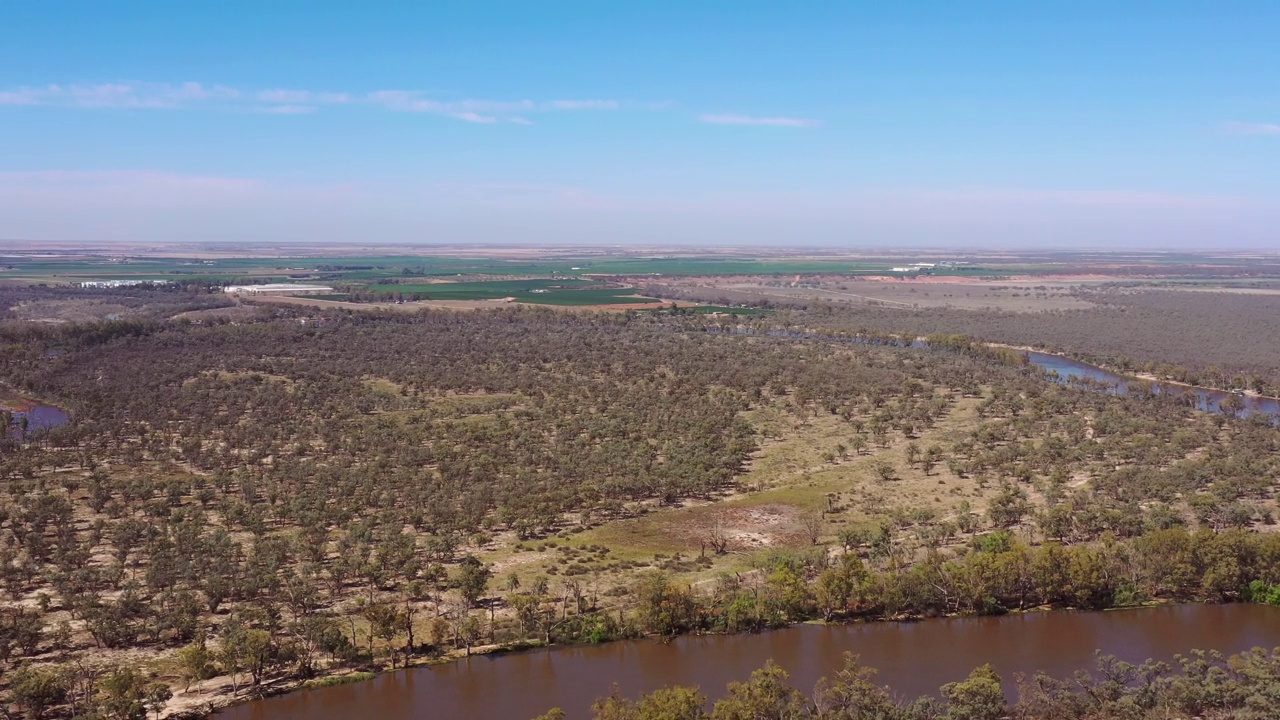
(195, 91)
(408, 101)
(119, 95)
(1248, 128)
(483, 111)
(472, 117)
(582, 105)
(16, 97)
(303, 97)
(287, 109)
(791, 122)
(390, 97)
(284, 96)
(286, 101)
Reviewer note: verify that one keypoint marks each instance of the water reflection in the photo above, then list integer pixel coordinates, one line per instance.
(27, 417)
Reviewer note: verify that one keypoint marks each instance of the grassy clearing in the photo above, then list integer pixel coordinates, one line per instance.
(339, 680)
(790, 481)
(383, 386)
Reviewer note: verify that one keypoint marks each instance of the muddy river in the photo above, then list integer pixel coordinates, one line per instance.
(914, 658)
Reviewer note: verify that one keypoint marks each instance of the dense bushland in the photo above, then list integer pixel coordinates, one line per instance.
(295, 491)
(1218, 339)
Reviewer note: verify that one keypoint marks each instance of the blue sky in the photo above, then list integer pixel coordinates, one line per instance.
(1073, 125)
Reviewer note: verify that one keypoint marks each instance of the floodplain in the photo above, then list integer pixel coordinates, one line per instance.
(457, 453)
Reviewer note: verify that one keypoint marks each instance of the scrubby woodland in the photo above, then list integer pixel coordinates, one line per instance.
(244, 501)
(62, 304)
(1218, 339)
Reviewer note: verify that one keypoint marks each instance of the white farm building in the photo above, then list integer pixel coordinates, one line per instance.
(279, 289)
(109, 284)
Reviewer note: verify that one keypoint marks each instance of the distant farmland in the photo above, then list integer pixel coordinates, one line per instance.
(59, 268)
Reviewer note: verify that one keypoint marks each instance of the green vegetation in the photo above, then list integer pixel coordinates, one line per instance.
(1261, 591)
(998, 574)
(1204, 685)
(335, 680)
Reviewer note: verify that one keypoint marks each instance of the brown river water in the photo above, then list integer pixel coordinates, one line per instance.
(913, 658)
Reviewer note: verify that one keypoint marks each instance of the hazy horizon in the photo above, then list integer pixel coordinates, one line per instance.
(1075, 126)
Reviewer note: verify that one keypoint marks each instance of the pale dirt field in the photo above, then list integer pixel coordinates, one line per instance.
(234, 312)
(420, 305)
(61, 311)
(302, 301)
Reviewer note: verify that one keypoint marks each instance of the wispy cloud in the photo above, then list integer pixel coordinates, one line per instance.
(16, 97)
(476, 110)
(303, 97)
(582, 105)
(290, 101)
(119, 95)
(1250, 128)
(791, 122)
(287, 109)
(472, 117)
(410, 101)
(196, 91)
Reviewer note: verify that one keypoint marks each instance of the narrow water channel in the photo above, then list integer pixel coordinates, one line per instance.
(1219, 401)
(913, 658)
(1065, 370)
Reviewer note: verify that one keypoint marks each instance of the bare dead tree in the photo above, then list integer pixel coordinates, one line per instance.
(717, 538)
(812, 523)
